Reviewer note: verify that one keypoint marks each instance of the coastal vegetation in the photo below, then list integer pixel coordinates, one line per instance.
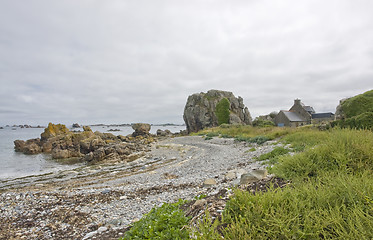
(357, 112)
(330, 195)
(222, 111)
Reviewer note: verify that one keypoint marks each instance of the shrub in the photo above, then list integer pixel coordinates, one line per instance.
(262, 123)
(222, 111)
(165, 222)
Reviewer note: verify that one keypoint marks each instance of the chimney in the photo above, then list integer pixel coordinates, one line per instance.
(297, 102)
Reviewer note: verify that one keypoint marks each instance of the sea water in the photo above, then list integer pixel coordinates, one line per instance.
(14, 164)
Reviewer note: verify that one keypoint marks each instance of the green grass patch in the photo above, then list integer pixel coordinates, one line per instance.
(258, 139)
(272, 157)
(165, 222)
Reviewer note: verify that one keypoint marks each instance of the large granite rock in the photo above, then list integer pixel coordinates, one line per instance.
(200, 110)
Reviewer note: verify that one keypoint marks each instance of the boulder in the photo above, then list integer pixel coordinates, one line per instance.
(60, 154)
(248, 178)
(76, 125)
(31, 146)
(141, 129)
(260, 173)
(54, 130)
(200, 110)
(163, 133)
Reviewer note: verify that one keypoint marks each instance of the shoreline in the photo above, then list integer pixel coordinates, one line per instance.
(111, 197)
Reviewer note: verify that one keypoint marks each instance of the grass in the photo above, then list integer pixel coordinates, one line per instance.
(342, 150)
(330, 197)
(272, 157)
(333, 207)
(165, 222)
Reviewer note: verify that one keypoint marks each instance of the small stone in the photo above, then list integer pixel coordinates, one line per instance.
(199, 203)
(260, 173)
(123, 197)
(248, 178)
(102, 229)
(106, 191)
(230, 175)
(209, 182)
(89, 235)
(135, 220)
(240, 172)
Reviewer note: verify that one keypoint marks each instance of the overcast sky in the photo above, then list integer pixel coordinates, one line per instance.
(122, 61)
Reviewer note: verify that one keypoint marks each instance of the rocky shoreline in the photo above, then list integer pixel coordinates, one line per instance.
(101, 201)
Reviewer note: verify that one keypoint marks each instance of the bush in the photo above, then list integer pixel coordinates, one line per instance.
(165, 222)
(262, 123)
(258, 139)
(222, 111)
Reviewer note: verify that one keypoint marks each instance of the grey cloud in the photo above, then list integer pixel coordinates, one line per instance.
(128, 61)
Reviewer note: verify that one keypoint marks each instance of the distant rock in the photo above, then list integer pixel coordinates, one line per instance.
(141, 129)
(200, 110)
(76, 125)
(163, 133)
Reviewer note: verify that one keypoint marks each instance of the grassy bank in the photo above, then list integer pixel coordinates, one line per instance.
(331, 195)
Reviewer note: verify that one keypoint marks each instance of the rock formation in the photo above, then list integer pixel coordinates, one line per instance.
(141, 129)
(200, 110)
(90, 146)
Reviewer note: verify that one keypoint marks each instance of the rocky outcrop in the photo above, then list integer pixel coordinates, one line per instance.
(90, 146)
(339, 114)
(141, 129)
(200, 110)
(163, 133)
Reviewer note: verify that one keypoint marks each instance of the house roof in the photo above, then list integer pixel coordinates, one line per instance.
(309, 109)
(293, 117)
(322, 115)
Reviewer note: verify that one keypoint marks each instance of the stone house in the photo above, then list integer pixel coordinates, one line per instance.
(300, 114)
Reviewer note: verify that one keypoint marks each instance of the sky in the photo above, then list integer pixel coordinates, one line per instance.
(126, 61)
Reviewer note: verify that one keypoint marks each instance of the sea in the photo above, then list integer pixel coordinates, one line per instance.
(15, 165)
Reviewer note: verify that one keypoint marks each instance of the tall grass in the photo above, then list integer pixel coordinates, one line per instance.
(331, 195)
(337, 206)
(342, 150)
(242, 131)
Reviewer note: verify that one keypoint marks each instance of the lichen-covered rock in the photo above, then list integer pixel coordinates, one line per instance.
(141, 129)
(200, 110)
(91, 147)
(54, 130)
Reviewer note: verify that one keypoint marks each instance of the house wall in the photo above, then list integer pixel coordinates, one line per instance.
(281, 118)
(321, 120)
(298, 108)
